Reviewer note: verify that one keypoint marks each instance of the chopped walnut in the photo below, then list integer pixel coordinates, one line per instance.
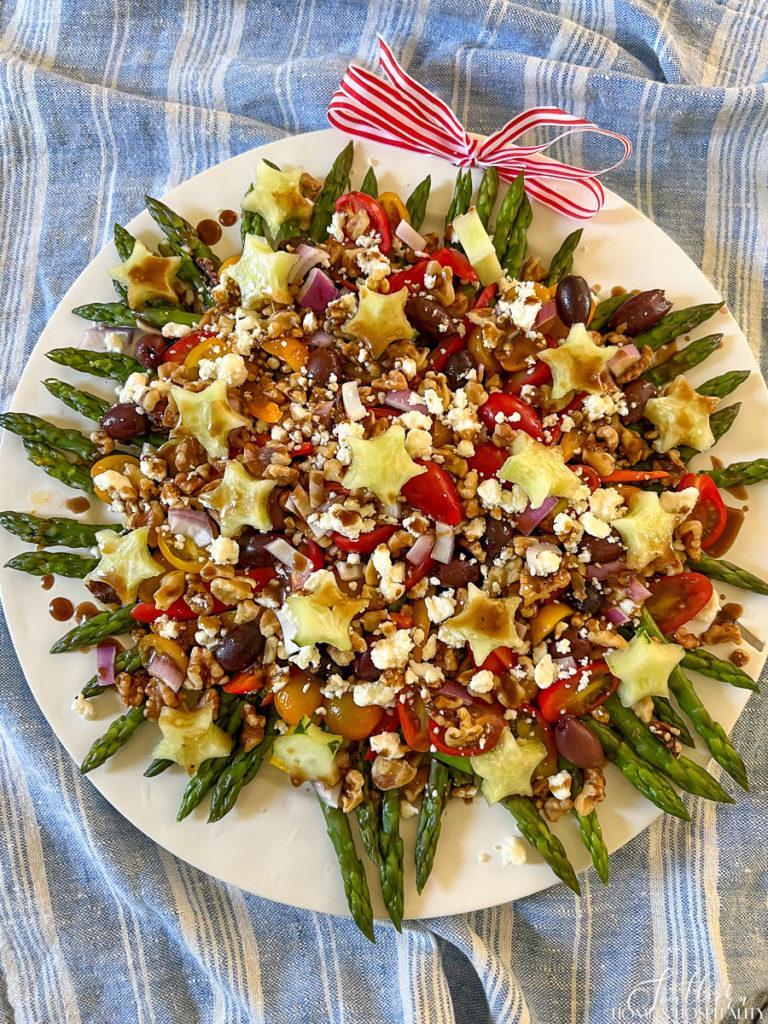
(203, 670)
(159, 696)
(634, 447)
(592, 792)
(389, 774)
(689, 533)
(538, 588)
(171, 588)
(647, 357)
(231, 592)
(554, 809)
(131, 686)
(688, 641)
(253, 728)
(606, 638)
(351, 790)
(724, 632)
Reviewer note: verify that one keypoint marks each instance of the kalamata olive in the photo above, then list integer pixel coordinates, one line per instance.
(458, 368)
(573, 300)
(276, 508)
(124, 420)
(604, 549)
(429, 318)
(364, 667)
(591, 602)
(459, 572)
(576, 743)
(641, 312)
(102, 591)
(149, 350)
(240, 647)
(637, 394)
(578, 647)
(498, 535)
(253, 549)
(324, 363)
(291, 244)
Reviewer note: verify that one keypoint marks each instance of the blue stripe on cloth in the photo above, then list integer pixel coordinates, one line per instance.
(101, 102)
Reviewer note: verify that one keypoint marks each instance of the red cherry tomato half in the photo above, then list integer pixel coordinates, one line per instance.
(513, 410)
(485, 298)
(535, 375)
(487, 460)
(179, 611)
(179, 350)
(366, 542)
(414, 722)
(588, 475)
(571, 697)
(492, 724)
(440, 355)
(531, 723)
(359, 202)
(261, 577)
(417, 575)
(710, 508)
(458, 263)
(500, 660)
(413, 277)
(434, 493)
(675, 600)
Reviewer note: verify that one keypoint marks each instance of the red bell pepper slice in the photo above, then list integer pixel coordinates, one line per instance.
(179, 350)
(414, 722)
(487, 460)
(355, 202)
(570, 696)
(179, 611)
(710, 508)
(589, 475)
(302, 449)
(413, 277)
(514, 411)
(366, 542)
(485, 298)
(500, 660)
(434, 493)
(440, 355)
(675, 600)
(458, 263)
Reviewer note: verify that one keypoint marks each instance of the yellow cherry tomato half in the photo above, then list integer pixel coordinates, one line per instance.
(211, 348)
(299, 697)
(182, 554)
(128, 465)
(545, 620)
(151, 644)
(345, 718)
(230, 261)
(395, 209)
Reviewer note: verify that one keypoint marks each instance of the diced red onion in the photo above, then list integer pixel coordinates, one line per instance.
(93, 338)
(320, 339)
(602, 572)
(443, 549)
(408, 234)
(350, 396)
(624, 357)
(565, 666)
(309, 257)
(547, 312)
(405, 401)
(530, 518)
(350, 570)
(638, 591)
(105, 662)
(393, 510)
(299, 502)
(420, 548)
(165, 668)
(616, 616)
(316, 489)
(330, 795)
(455, 690)
(191, 523)
(286, 554)
(317, 291)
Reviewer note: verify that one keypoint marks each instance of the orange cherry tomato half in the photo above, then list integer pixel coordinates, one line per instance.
(710, 508)
(414, 722)
(300, 697)
(675, 600)
(347, 719)
(571, 697)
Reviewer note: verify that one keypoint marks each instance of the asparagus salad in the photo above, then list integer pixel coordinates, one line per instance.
(406, 516)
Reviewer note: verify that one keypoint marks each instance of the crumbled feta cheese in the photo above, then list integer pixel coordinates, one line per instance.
(481, 682)
(83, 707)
(388, 744)
(366, 694)
(224, 551)
(598, 407)
(542, 561)
(560, 785)
(418, 444)
(168, 628)
(429, 281)
(489, 492)
(544, 672)
(374, 265)
(513, 852)
(465, 449)
(514, 500)
(415, 420)
(569, 530)
(343, 432)
(336, 227)
(606, 503)
(113, 342)
(433, 402)
(134, 388)
(172, 330)
(306, 657)
(246, 327)
(392, 651)
(679, 503)
(392, 576)
(440, 608)
(450, 637)
(112, 482)
(335, 686)
(594, 527)
(408, 366)
(523, 309)
(462, 416)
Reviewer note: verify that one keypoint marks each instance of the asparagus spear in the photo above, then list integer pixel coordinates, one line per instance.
(126, 661)
(416, 203)
(177, 229)
(752, 472)
(116, 736)
(686, 773)
(537, 832)
(505, 218)
(724, 384)
(240, 770)
(457, 199)
(515, 254)
(101, 626)
(391, 849)
(710, 731)
(210, 770)
(68, 533)
(352, 871)
(589, 825)
(436, 793)
(729, 572)
(59, 563)
(124, 242)
(717, 668)
(251, 223)
(605, 310)
(720, 423)
(56, 465)
(486, 197)
(562, 261)
(644, 777)
(33, 428)
(118, 314)
(112, 365)
(674, 324)
(664, 712)
(684, 360)
(86, 404)
(188, 271)
(368, 814)
(370, 186)
(288, 229)
(333, 187)
(157, 766)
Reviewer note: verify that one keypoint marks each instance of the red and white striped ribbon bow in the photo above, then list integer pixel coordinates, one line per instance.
(399, 111)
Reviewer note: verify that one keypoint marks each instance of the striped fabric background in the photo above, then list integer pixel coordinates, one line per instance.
(102, 101)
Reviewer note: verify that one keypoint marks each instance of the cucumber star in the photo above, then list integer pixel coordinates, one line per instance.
(646, 529)
(261, 274)
(381, 465)
(208, 416)
(147, 276)
(380, 319)
(276, 195)
(682, 416)
(577, 364)
(323, 616)
(540, 470)
(644, 667)
(486, 623)
(507, 769)
(241, 500)
(125, 562)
